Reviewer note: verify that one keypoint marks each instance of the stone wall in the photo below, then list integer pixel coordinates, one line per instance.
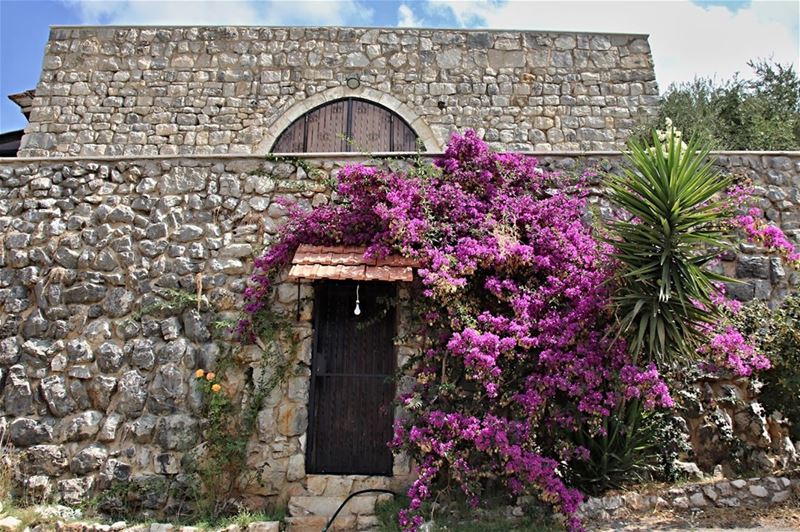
(752, 492)
(97, 357)
(97, 368)
(212, 90)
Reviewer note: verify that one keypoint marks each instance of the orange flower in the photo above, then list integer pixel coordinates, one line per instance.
(210, 376)
(216, 388)
(199, 373)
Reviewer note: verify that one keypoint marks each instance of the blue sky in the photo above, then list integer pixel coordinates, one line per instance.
(688, 37)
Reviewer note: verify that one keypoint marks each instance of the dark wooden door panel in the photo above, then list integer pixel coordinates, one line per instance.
(351, 380)
(371, 127)
(326, 128)
(403, 137)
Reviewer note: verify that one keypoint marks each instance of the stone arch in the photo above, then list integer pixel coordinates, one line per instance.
(422, 129)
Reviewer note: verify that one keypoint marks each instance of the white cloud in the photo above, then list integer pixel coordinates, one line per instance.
(686, 39)
(406, 17)
(223, 12)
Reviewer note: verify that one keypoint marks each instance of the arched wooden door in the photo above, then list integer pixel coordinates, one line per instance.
(347, 125)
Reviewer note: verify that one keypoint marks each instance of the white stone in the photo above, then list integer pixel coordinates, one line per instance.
(730, 502)
(710, 492)
(781, 496)
(681, 502)
(10, 523)
(161, 527)
(758, 491)
(324, 506)
(356, 59)
(264, 526)
(259, 204)
(450, 58)
(297, 468)
(316, 484)
(612, 503)
(697, 500)
(338, 486)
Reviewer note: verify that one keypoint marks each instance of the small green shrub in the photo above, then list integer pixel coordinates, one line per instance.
(777, 335)
(639, 445)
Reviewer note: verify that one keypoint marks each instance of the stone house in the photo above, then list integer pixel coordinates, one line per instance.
(157, 161)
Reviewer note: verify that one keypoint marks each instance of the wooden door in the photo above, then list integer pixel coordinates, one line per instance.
(352, 386)
(371, 127)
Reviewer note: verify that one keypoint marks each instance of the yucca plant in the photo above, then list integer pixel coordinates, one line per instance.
(673, 227)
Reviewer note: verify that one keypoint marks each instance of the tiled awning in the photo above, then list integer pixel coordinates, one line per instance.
(347, 263)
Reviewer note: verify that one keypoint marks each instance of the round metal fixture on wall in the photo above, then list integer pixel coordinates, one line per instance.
(353, 83)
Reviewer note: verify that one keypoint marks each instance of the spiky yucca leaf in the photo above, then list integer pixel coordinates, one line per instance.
(672, 194)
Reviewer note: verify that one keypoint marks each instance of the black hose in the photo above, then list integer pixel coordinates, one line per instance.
(360, 492)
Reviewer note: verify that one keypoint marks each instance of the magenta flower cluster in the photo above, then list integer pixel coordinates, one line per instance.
(516, 314)
(769, 236)
(729, 349)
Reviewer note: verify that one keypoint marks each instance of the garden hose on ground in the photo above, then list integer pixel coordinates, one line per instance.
(360, 492)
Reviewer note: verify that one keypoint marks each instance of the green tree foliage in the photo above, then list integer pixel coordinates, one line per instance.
(737, 114)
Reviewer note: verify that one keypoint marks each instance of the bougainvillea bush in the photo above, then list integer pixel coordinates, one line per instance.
(516, 311)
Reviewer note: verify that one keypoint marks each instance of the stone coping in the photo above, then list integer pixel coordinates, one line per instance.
(327, 26)
(344, 156)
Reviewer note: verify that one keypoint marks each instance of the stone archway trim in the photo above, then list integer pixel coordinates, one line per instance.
(422, 129)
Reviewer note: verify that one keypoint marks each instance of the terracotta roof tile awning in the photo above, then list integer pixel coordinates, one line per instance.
(347, 263)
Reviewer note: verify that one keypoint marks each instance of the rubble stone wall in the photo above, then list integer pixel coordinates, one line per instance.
(213, 90)
(97, 357)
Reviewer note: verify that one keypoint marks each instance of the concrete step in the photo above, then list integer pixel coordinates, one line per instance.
(315, 523)
(309, 513)
(311, 523)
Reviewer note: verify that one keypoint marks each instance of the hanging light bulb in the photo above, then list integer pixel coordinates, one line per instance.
(357, 310)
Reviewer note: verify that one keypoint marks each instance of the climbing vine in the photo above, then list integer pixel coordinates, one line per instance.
(216, 472)
(230, 419)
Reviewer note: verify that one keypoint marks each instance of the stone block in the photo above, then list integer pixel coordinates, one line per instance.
(697, 500)
(264, 526)
(24, 432)
(753, 267)
(316, 484)
(308, 523)
(506, 59)
(316, 506)
(292, 419)
(781, 496)
(338, 486)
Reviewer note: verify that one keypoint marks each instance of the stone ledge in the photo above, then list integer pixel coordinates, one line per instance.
(760, 492)
(344, 156)
(385, 28)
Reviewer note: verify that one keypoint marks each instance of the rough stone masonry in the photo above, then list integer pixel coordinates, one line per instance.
(142, 174)
(98, 384)
(211, 90)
